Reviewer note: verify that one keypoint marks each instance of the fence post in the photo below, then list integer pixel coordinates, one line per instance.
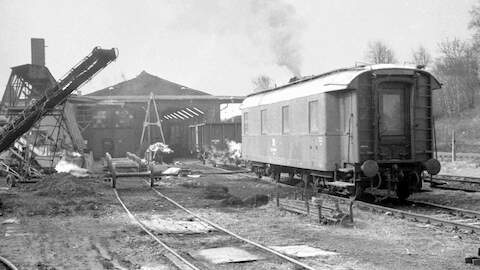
(305, 195)
(453, 146)
(277, 189)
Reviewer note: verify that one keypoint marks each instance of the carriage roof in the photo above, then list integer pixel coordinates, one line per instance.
(336, 80)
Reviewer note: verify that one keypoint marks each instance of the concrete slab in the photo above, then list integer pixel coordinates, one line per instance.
(162, 225)
(303, 251)
(11, 221)
(225, 255)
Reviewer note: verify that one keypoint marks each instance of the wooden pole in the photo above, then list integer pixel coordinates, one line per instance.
(305, 195)
(453, 146)
(278, 193)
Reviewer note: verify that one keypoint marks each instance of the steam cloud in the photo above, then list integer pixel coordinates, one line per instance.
(284, 31)
(270, 24)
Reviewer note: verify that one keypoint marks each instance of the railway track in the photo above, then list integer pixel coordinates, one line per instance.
(460, 179)
(430, 213)
(452, 182)
(6, 264)
(420, 211)
(178, 248)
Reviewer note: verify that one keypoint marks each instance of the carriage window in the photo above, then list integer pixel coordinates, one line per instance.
(263, 122)
(392, 113)
(245, 123)
(285, 120)
(313, 116)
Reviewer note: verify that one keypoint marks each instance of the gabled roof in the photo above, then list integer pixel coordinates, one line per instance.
(144, 84)
(336, 80)
(142, 99)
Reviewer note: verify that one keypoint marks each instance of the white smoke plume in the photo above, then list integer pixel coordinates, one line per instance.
(234, 149)
(284, 29)
(272, 26)
(65, 166)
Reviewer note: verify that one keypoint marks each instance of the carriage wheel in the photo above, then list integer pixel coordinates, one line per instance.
(275, 173)
(291, 175)
(417, 180)
(258, 172)
(402, 190)
(11, 181)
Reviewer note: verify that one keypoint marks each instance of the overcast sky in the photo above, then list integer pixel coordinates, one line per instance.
(219, 46)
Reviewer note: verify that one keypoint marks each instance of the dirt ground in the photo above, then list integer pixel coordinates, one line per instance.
(71, 223)
(467, 200)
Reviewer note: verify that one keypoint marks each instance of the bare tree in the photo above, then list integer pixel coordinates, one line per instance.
(457, 68)
(262, 82)
(420, 56)
(379, 53)
(474, 25)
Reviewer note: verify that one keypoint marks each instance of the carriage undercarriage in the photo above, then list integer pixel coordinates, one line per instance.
(387, 181)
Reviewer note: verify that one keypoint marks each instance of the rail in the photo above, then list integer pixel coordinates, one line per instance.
(455, 209)
(218, 227)
(460, 179)
(169, 249)
(114, 173)
(418, 217)
(7, 263)
(457, 223)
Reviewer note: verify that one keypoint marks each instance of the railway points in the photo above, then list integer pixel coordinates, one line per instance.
(343, 136)
(196, 264)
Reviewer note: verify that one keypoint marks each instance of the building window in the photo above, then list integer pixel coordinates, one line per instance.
(84, 116)
(285, 120)
(313, 116)
(263, 122)
(245, 123)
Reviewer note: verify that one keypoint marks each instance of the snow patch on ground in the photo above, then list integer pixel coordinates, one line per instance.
(64, 166)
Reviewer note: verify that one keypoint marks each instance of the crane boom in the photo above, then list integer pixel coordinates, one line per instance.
(78, 75)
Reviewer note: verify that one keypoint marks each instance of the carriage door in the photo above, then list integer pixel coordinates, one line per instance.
(394, 121)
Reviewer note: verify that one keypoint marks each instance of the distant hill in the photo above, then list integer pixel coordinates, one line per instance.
(144, 84)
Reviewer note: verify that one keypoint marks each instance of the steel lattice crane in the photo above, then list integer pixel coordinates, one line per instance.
(56, 95)
(78, 75)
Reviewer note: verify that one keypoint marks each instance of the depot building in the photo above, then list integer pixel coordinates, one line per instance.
(129, 116)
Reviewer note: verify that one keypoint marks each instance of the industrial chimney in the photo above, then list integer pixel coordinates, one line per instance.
(38, 51)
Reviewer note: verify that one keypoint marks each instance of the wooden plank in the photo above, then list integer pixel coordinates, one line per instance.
(72, 127)
(323, 207)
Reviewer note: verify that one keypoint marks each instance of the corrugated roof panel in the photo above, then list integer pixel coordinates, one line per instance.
(188, 109)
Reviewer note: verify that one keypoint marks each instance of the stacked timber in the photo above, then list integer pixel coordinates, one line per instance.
(323, 207)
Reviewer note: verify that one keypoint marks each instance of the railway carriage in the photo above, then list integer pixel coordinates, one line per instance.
(366, 127)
